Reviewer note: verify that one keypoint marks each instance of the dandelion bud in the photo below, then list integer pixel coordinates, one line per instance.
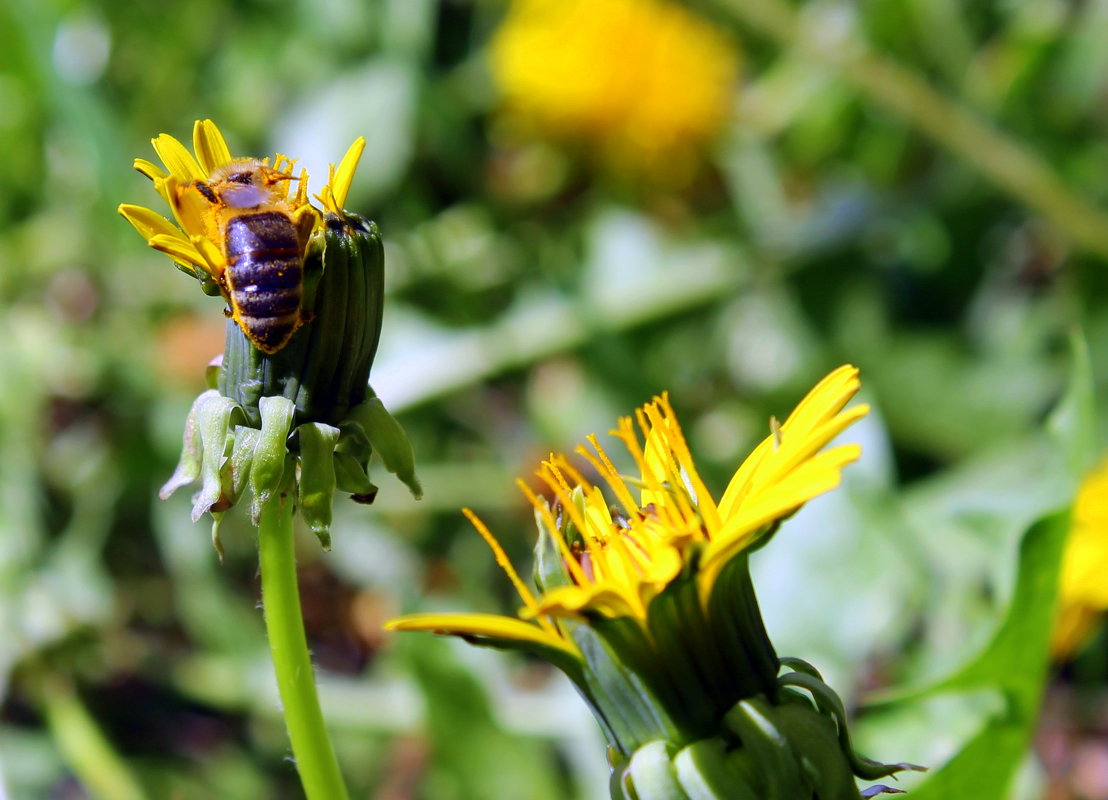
(324, 368)
(646, 603)
(291, 412)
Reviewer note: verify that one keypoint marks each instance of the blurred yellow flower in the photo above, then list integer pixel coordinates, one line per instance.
(1083, 588)
(644, 84)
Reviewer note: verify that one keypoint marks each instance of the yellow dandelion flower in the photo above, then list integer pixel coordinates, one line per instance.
(650, 108)
(1083, 591)
(620, 556)
(209, 189)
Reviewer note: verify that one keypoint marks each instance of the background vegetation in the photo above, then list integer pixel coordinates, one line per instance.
(534, 296)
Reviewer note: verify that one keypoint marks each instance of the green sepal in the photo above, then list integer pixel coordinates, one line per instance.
(207, 283)
(800, 665)
(735, 621)
(214, 421)
(324, 367)
(741, 761)
(351, 477)
(237, 472)
(352, 379)
(316, 490)
(188, 467)
(549, 570)
(270, 453)
(830, 704)
(815, 741)
(623, 679)
(753, 721)
(217, 543)
(389, 440)
(706, 772)
(323, 337)
(652, 776)
(211, 372)
(702, 682)
(313, 268)
(619, 781)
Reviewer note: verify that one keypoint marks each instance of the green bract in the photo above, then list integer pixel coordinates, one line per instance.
(303, 421)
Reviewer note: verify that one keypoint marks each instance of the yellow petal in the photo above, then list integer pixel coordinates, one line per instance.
(149, 169)
(214, 261)
(300, 199)
(210, 146)
(149, 223)
(826, 399)
(795, 449)
(606, 599)
(812, 424)
(177, 159)
(344, 175)
(815, 477)
(491, 625)
(654, 468)
(1072, 628)
(189, 206)
(739, 487)
(598, 516)
(180, 250)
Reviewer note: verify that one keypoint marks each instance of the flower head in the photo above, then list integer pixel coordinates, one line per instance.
(621, 559)
(210, 194)
(290, 412)
(649, 110)
(645, 602)
(1083, 592)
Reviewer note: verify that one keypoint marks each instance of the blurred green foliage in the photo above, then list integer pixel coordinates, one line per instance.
(531, 301)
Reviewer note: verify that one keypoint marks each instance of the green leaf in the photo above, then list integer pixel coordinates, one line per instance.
(1014, 664)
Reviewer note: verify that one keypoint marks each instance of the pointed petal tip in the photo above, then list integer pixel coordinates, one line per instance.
(209, 145)
(344, 173)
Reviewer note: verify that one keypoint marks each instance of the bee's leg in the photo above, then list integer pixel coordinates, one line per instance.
(204, 189)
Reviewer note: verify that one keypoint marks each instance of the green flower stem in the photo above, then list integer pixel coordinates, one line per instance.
(1003, 160)
(311, 745)
(83, 745)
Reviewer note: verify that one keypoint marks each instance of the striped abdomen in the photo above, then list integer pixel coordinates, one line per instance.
(264, 277)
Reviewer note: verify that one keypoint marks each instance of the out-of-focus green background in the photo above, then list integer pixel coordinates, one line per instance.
(535, 294)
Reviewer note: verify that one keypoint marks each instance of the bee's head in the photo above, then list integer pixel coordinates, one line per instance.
(248, 183)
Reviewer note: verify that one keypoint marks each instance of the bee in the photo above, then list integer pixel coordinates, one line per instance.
(262, 237)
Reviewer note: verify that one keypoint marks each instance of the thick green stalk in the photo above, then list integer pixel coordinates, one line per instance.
(311, 745)
(1002, 159)
(85, 749)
